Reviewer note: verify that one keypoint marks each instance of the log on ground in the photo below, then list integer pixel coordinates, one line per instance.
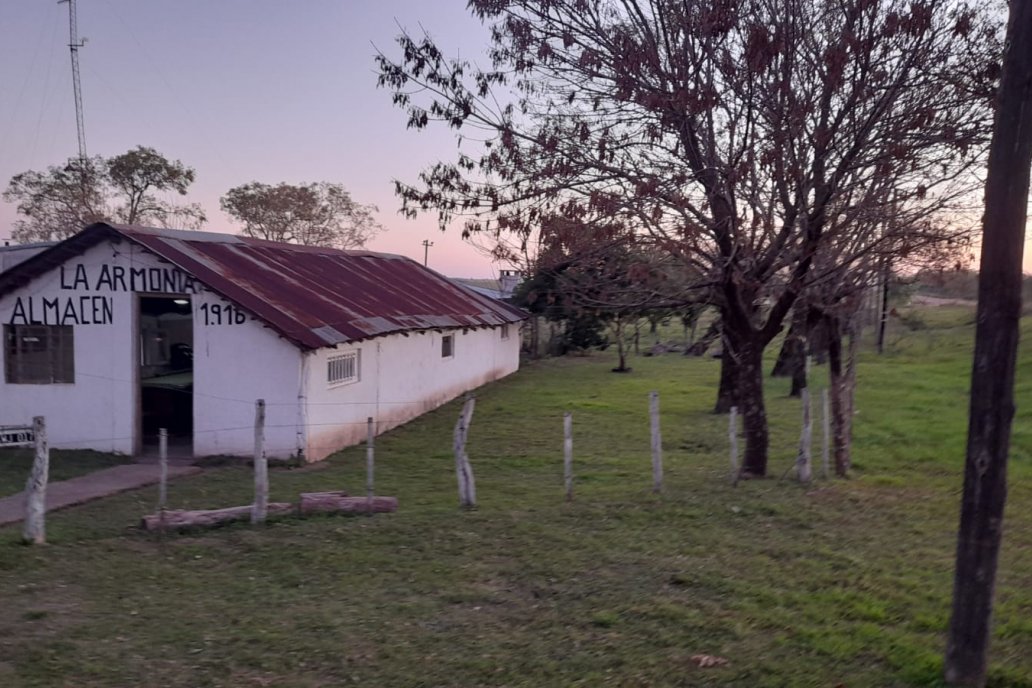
(337, 502)
(180, 518)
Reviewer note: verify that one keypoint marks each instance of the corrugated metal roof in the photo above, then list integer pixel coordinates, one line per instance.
(313, 296)
(19, 253)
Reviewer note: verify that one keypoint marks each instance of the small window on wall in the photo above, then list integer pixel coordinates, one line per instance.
(39, 354)
(342, 368)
(505, 331)
(447, 346)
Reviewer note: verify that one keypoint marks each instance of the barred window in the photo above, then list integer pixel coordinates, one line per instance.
(447, 346)
(342, 368)
(39, 354)
(505, 331)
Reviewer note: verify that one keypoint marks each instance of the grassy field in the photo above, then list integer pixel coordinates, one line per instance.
(843, 583)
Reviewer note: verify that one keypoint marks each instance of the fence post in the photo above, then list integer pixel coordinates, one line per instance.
(260, 507)
(826, 422)
(732, 435)
(463, 469)
(162, 475)
(568, 454)
(804, 465)
(657, 443)
(34, 532)
(370, 458)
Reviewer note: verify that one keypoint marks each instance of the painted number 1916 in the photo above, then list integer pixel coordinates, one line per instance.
(217, 314)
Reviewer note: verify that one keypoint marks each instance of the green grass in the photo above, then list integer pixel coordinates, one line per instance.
(841, 583)
(15, 464)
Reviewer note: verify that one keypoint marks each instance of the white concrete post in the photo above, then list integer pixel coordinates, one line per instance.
(804, 462)
(657, 443)
(162, 474)
(34, 532)
(260, 507)
(568, 454)
(463, 469)
(370, 459)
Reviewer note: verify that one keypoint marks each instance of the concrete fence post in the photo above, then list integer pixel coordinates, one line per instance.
(259, 509)
(34, 531)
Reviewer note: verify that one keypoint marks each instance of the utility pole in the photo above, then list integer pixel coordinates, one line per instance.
(991, 406)
(426, 250)
(73, 45)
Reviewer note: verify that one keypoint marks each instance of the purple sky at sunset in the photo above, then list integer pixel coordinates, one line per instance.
(240, 90)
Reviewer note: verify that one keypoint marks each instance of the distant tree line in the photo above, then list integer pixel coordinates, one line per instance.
(132, 188)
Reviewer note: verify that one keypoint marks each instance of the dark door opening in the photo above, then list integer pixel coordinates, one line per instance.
(166, 372)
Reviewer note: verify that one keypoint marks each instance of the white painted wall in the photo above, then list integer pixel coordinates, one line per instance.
(401, 377)
(96, 412)
(234, 363)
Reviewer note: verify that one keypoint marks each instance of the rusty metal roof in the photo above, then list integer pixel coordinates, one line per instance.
(313, 296)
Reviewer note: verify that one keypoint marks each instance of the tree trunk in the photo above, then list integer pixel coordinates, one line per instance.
(991, 407)
(840, 407)
(817, 336)
(792, 350)
(799, 374)
(620, 348)
(883, 310)
(749, 376)
(702, 344)
(727, 393)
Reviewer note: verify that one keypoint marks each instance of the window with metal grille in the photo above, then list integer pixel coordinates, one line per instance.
(342, 368)
(39, 354)
(505, 331)
(447, 346)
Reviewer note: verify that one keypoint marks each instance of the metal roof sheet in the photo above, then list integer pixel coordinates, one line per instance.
(313, 296)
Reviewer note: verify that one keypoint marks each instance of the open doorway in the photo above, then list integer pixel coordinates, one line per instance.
(166, 372)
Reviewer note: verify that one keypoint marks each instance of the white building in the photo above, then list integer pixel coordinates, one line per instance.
(119, 331)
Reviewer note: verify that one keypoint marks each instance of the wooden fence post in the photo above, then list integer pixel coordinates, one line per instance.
(804, 462)
(162, 475)
(732, 435)
(826, 422)
(568, 454)
(260, 507)
(370, 459)
(463, 468)
(657, 443)
(34, 532)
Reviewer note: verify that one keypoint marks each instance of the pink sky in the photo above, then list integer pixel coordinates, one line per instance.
(240, 90)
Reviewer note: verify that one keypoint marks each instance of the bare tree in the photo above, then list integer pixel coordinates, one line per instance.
(320, 214)
(992, 376)
(730, 132)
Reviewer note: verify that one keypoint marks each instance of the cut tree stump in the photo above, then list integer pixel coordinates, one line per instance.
(338, 502)
(207, 518)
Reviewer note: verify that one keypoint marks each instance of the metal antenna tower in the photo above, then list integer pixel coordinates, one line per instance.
(73, 45)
